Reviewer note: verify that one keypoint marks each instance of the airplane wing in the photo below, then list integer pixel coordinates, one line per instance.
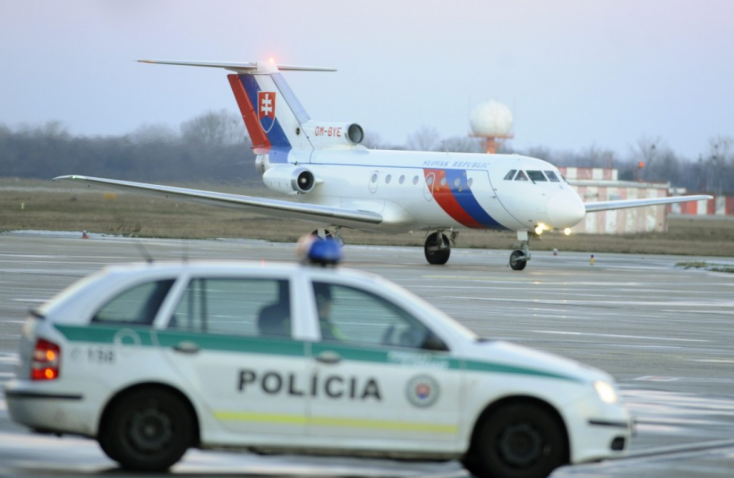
(628, 203)
(270, 207)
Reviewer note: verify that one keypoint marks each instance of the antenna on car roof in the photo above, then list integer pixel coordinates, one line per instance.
(144, 252)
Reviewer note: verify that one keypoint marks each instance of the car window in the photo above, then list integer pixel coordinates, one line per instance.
(536, 175)
(136, 306)
(235, 306)
(351, 315)
(510, 175)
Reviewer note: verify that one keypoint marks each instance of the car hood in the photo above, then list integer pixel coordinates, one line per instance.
(499, 355)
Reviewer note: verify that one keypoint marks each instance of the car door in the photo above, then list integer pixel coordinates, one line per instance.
(230, 339)
(383, 380)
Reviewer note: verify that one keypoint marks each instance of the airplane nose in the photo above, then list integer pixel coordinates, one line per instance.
(565, 209)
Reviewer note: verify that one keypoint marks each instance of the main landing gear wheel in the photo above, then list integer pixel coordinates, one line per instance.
(334, 234)
(518, 441)
(517, 261)
(437, 249)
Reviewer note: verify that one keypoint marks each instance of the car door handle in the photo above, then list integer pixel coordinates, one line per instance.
(186, 348)
(328, 357)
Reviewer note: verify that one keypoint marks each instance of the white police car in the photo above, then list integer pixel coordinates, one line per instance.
(151, 359)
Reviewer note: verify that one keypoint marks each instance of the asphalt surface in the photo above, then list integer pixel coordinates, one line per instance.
(665, 333)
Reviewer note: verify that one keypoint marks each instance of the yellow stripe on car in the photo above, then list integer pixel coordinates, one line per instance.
(336, 422)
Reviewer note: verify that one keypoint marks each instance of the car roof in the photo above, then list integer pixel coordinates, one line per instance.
(232, 267)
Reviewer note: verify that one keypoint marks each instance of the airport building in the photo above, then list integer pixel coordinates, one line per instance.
(602, 184)
(718, 206)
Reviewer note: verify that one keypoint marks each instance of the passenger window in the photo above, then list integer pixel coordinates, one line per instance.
(521, 176)
(510, 175)
(355, 316)
(552, 176)
(537, 176)
(136, 306)
(235, 307)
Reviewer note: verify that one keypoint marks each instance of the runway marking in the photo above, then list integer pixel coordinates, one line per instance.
(680, 449)
(641, 337)
(712, 360)
(656, 378)
(618, 304)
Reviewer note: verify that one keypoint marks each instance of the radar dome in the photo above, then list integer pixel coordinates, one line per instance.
(491, 119)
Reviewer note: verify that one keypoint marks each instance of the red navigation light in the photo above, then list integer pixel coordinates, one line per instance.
(640, 165)
(45, 361)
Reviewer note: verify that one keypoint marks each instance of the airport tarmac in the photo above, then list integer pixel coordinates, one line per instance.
(665, 333)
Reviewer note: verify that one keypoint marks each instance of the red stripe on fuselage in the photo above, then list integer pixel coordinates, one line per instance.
(249, 115)
(445, 198)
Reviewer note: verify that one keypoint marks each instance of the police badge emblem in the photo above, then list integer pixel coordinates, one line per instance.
(422, 391)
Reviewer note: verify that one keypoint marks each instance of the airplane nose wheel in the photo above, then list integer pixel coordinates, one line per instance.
(520, 257)
(437, 248)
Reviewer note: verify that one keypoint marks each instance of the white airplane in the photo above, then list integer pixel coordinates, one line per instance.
(334, 181)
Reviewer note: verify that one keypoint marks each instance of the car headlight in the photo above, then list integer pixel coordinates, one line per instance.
(606, 392)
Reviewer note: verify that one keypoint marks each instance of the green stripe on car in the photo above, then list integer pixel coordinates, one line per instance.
(144, 336)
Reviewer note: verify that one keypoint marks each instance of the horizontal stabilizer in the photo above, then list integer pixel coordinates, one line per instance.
(251, 67)
(628, 203)
(269, 207)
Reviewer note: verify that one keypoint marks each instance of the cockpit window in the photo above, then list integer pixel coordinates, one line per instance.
(521, 176)
(537, 176)
(510, 175)
(552, 176)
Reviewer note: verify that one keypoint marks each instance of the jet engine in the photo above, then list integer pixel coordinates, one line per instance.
(289, 179)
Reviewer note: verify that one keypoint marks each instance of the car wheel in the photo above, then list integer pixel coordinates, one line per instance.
(518, 441)
(147, 430)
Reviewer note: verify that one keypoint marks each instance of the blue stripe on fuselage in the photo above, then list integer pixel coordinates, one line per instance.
(465, 197)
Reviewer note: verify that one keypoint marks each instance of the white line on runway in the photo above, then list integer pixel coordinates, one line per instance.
(616, 336)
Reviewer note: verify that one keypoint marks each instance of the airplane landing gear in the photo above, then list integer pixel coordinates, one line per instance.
(335, 234)
(520, 257)
(438, 247)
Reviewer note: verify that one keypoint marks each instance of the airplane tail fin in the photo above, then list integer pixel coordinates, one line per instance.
(272, 114)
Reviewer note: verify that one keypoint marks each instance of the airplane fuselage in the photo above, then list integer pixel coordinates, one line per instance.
(429, 191)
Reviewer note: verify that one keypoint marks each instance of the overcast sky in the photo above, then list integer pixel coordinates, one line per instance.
(574, 73)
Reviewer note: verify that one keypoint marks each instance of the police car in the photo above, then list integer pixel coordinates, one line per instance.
(152, 359)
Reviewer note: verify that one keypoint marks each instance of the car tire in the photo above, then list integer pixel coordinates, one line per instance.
(520, 440)
(147, 430)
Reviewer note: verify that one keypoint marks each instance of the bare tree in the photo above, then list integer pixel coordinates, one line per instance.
(425, 139)
(460, 144)
(215, 127)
